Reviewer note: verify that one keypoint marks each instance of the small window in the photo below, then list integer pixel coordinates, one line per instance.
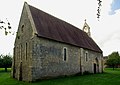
(18, 36)
(22, 28)
(65, 54)
(86, 56)
(21, 52)
(26, 50)
(17, 56)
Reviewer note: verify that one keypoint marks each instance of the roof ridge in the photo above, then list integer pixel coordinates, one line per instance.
(56, 17)
(57, 29)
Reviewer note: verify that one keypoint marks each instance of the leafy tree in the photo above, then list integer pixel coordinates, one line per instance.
(6, 62)
(99, 8)
(6, 26)
(114, 60)
(1, 63)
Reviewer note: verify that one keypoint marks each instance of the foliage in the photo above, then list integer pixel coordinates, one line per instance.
(3, 70)
(5, 61)
(86, 73)
(114, 60)
(1, 61)
(109, 77)
(6, 26)
(99, 9)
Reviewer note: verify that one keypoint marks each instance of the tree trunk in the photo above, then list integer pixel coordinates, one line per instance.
(113, 67)
(5, 69)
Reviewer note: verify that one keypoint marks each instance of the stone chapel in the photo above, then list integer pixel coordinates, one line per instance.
(48, 47)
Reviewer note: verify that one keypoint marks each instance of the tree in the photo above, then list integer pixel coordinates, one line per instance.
(6, 26)
(114, 60)
(1, 63)
(99, 9)
(6, 62)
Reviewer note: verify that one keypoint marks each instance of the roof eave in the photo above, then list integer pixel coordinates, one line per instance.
(31, 19)
(100, 51)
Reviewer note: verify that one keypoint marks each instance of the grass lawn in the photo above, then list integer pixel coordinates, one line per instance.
(109, 77)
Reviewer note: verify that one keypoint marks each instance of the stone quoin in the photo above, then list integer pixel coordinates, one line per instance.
(47, 47)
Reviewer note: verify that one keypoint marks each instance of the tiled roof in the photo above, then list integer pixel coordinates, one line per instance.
(51, 27)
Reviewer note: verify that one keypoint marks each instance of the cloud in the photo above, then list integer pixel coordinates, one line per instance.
(115, 5)
(110, 36)
(105, 32)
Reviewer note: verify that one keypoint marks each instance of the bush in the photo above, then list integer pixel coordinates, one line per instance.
(86, 73)
(5, 61)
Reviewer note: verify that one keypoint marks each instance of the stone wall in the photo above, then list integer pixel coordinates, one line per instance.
(48, 59)
(92, 58)
(40, 58)
(22, 50)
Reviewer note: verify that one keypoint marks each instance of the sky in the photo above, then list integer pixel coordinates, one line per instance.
(105, 32)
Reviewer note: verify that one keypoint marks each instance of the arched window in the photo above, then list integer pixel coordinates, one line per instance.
(26, 50)
(22, 28)
(64, 54)
(86, 56)
(21, 52)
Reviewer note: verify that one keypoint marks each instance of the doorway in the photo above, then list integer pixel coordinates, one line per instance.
(94, 68)
(20, 75)
(14, 71)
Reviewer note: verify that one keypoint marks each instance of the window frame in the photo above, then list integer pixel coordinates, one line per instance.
(65, 54)
(86, 56)
(22, 28)
(21, 52)
(26, 50)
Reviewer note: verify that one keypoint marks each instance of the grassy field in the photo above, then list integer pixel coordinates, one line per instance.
(109, 77)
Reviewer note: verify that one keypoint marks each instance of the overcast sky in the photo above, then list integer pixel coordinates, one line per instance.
(105, 32)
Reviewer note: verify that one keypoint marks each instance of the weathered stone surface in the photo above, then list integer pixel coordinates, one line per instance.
(22, 59)
(48, 59)
(40, 58)
(89, 65)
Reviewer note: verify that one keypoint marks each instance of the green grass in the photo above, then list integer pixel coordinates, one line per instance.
(3, 69)
(109, 77)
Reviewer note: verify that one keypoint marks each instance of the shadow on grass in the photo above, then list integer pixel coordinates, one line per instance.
(61, 79)
(3, 70)
(58, 79)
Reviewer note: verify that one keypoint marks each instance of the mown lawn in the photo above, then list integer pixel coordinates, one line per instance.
(109, 77)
